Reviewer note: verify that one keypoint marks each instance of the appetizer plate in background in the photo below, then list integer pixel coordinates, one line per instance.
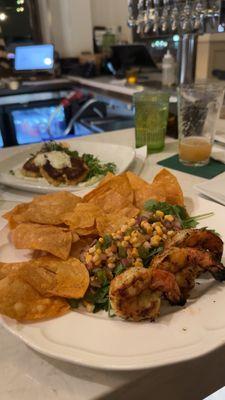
(122, 156)
(95, 340)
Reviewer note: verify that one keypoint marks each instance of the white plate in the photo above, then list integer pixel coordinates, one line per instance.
(122, 156)
(94, 340)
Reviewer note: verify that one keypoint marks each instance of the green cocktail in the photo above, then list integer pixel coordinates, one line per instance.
(151, 117)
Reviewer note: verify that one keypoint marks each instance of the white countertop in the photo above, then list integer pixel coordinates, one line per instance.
(27, 375)
(107, 84)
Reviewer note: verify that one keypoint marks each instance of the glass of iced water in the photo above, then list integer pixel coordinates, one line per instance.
(151, 118)
(198, 110)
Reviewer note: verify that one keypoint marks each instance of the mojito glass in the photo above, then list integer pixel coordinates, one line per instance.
(151, 118)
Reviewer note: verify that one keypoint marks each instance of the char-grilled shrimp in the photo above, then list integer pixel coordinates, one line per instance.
(199, 238)
(136, 293)
(187, 264)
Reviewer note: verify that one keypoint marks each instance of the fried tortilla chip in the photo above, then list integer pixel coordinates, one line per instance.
(21, 301)
(87, 231)
(54, 240)
(15, 215)
(109, 223)
(106, 178)
(53, 277)
(174, 194)
(78, 247)
(47, 209)
(144, 191)
(9, 268)
(82, 217)
(115, 194)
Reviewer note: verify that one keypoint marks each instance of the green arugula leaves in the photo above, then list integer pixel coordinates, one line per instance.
(96, 167)
(180, 212)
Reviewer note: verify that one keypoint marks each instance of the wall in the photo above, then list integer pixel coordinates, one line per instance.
(67, 24)
(210, 55)
(111, 13)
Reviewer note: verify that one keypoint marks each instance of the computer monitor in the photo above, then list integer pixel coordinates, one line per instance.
(30, 124)
(132, 55)
(34, 58)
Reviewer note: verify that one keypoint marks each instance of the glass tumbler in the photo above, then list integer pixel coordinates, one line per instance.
(198, 110)
(151, 118)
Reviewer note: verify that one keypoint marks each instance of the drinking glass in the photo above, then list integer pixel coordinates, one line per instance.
(151, 118)
(198, 110)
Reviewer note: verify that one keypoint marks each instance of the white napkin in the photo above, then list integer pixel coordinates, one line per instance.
(214, 188)
(218, 153)
(139, 161)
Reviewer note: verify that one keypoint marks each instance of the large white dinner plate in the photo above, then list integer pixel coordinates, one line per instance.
(122, 156)
(95, 340)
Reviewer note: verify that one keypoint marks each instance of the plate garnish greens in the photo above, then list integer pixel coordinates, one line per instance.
(59, 165)
(123, 248)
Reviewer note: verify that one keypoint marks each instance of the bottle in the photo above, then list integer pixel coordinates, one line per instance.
(168, 70)
(108, 40)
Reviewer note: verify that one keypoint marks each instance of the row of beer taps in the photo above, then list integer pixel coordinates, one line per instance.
(171, 16)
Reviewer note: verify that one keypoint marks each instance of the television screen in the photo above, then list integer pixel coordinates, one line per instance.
(1, 140)
(36, 57)
(31, 124)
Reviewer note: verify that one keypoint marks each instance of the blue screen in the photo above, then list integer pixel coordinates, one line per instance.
(28, 58)
(31, 125)
(1, 140)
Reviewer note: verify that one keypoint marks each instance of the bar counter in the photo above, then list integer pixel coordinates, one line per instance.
(26, 374)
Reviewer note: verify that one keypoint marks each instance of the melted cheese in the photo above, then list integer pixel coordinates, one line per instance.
(57, 159)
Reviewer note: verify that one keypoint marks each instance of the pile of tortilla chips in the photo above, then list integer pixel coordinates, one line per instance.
(58, 227)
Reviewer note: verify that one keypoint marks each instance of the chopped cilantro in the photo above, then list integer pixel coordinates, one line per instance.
(119, 269)
(101, 275)
(100, 298)
(122, 252)
(152, 253)
(107, 241)
(11, 172)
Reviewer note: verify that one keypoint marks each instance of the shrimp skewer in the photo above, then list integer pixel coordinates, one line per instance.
(197, 238)
(136, 293)
(187, 264)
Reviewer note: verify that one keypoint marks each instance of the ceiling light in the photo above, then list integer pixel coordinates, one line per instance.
(3, 16)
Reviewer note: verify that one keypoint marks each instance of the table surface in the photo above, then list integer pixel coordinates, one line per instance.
(26, 374)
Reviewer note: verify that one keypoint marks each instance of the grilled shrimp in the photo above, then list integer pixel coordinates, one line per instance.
(187, 264)
(136, 293)
(200, 238)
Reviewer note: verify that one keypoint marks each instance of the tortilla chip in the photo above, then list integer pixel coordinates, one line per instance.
(173, 191)
(9, 268)
(87, 231)
(83, 216)
(115, 194)
(15, 215)
(78, 247)
(22, 302)
(110, 223)
(144, 191)
(47, 209)
(54, 240)
(106, 178)
(53, 277)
